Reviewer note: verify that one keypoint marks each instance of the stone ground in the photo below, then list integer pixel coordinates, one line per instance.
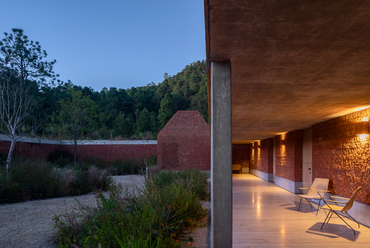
(30, 224)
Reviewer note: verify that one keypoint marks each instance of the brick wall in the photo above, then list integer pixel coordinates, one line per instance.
(338, 154)
(185, 142)
(108, 152)
(261, 155)
(288, 155)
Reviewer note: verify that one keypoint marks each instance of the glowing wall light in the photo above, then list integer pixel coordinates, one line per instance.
(362, 128)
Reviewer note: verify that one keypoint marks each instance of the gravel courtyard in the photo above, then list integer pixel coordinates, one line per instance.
(30, 224)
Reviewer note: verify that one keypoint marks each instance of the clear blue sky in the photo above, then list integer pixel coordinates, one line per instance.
(112, 43)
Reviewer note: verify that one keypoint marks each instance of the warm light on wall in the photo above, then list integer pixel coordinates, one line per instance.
(282, 142)
(362, 127)
(363, 136)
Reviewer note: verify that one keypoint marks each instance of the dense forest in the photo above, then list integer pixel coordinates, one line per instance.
(34, 102)
(135, 113)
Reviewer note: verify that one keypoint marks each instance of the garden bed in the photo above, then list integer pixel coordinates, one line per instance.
(30, 224)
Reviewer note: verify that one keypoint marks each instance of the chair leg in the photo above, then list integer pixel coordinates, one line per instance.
(300, 204)
(327, 218)
(354, 233)
(354, 219)
(318, 207)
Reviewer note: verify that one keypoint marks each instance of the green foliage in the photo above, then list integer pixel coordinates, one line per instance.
(60, 158)
(2, 159)
(143, 122)
(153, 218)
(76, 112)
(196, 180)
(35, 179)
(166, 110)
(16, 47)
(123, 126)
(126, 166)
(89, 161)
(135, 113)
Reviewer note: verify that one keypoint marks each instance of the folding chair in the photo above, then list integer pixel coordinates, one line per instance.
(340, 209)
(319, 185)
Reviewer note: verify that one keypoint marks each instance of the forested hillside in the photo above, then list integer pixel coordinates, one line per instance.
(135, 113)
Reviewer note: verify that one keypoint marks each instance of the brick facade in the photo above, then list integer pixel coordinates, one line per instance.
(288, 155)
(185, 142)
(108, 152)
(261, 155)
(340, 155)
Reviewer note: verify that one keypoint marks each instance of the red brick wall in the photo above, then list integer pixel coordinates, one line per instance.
(262, 158)
(289, 156)
(185, 142)
(338, 154)
(107, 152)
(30, 150)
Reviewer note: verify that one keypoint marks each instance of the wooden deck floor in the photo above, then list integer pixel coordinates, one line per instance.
(265, 215)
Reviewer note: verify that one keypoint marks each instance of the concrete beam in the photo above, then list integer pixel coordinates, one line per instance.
(221, 167)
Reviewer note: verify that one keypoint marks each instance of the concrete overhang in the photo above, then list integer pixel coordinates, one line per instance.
(293, 63)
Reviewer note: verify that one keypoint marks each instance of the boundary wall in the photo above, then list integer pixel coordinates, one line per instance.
(108, 150)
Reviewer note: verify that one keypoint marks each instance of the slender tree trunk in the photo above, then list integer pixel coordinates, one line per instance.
(75, 154)
(9, 159)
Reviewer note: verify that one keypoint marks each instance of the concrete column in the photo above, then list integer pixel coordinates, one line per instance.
(221, 167)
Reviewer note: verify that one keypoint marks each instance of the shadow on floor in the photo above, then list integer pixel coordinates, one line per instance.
(333, 231)
(305, 207)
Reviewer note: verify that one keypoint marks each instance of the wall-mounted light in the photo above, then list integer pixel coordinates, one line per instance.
(362, 128)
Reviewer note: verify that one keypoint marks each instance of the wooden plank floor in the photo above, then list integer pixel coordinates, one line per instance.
(265, 215)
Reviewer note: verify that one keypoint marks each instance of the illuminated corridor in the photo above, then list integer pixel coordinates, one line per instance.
(265, 215)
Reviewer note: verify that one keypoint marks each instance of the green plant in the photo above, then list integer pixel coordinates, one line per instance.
(36, 179)
(60, 158)
(2, 159)
(196, 180)
(126, 166)
(152, 218)
(89, 161)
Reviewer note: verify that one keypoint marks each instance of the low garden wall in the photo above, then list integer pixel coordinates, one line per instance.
(108, 150)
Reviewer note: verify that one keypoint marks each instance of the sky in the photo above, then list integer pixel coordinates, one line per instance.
(111, 43)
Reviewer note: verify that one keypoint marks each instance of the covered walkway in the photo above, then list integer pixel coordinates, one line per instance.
(265, 215)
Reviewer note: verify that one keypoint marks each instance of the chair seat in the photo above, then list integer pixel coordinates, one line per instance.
(333, 207)
(311, 196)
(320, 185)
(336, 209)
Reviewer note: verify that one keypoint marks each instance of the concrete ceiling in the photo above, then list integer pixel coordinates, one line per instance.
(293, 63)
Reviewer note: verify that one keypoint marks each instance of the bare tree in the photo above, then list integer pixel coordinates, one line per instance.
(22, 71)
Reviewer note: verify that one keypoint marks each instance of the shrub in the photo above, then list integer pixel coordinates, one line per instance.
(36, 179)
(3, 158)
(126, 166)
(196, 180)
(89, 161)
(153, 218)
(60, 158)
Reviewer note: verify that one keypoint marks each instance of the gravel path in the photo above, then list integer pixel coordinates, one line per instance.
(29, 224)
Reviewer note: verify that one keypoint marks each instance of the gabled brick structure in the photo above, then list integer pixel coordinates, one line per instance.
(184, 142)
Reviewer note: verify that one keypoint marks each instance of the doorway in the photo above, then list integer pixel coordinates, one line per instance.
(307, 158)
